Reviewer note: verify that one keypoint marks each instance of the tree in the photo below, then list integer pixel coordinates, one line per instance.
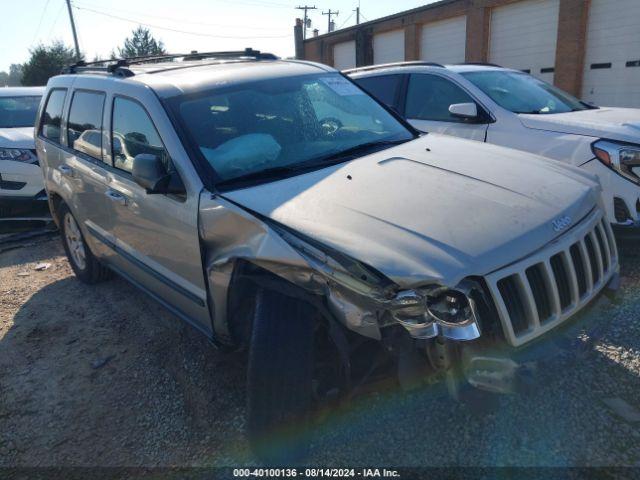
(141, 43)
(15, 75)
(13, 78)
(45, 62)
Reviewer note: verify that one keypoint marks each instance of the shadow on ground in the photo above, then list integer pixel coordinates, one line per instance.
(105, 376)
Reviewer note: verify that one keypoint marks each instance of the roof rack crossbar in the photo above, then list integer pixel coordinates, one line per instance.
(118, 64)
(486, 64)
(395, 64)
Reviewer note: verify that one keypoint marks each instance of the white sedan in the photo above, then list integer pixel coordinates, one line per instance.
(511, 108)
(21, 183)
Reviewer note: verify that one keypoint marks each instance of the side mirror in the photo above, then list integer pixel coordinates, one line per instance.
(150, 173)
(464, 110)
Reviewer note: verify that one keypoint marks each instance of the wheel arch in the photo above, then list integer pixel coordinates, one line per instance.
(247, 278)
(55, 200)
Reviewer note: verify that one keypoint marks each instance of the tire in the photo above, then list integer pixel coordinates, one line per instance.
(83, 263)
(279, 378)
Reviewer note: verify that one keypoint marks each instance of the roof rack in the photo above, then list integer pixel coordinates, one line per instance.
(484, 64)
(395, 64)
(118, 66)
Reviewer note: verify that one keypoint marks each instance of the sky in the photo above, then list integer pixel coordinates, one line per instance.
(183, 25)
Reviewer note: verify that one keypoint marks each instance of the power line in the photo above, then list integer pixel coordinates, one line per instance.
(35, 35)
(345, 22)
(55, 21)
(259, 3)
(173, 19)
(252, 3)
(198, 34)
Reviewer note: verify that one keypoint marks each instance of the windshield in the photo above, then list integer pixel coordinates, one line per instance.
(18, 112)
(284, 123)
(522, 93)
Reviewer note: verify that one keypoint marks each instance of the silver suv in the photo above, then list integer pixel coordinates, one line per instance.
(275, 206)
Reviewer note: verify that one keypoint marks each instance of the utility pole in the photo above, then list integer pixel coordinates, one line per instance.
(73, 29)
(357, 15)
(330, 13)
(306, 19)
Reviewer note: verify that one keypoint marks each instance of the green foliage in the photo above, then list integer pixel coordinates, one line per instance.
(15, 75)
(141, 43)
(46, 62)
(13, 78)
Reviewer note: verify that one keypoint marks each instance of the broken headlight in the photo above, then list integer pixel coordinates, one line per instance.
(622, 157)
(437, 311)
(425, 313)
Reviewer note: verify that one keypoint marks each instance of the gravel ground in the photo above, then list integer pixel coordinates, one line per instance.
(105, 376)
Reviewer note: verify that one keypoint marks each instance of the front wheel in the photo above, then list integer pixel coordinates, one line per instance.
(280, 377)
(83, 263)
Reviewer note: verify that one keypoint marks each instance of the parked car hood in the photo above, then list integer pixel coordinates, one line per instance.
(436, 209)
(606, 122)
(17, 138)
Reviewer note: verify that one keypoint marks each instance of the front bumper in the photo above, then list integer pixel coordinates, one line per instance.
(627, 231)
(621, 199)
(505, 369)
(14, 208)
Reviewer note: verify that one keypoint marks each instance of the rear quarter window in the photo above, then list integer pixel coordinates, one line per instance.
(52, 115)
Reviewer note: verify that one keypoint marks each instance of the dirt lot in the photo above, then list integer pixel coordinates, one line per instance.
(105, 376)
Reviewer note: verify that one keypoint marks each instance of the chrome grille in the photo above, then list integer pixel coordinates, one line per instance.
(542, 291)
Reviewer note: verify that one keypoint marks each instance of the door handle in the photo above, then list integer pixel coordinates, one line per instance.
(66, 171)
(116, 197)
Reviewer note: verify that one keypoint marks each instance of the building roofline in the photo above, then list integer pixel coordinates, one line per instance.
(393, 16)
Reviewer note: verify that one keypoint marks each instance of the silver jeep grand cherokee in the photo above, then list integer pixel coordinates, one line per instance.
(276, 207)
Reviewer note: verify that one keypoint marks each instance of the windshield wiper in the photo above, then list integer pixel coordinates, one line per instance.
(349, 153)
(273, 173)
(277, 173)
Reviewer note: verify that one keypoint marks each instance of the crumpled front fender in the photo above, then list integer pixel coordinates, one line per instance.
(231, 235)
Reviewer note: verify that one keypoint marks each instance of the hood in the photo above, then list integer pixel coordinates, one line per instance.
(436, 209)
(17, 138)
(607, 122)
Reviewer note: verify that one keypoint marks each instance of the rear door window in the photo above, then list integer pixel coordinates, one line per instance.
(52, 116)
(429, 98)
(84, 128)
(384, 88)
(133, 133)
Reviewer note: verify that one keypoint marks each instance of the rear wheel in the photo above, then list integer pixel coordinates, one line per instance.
(84, 264)
(280, 377)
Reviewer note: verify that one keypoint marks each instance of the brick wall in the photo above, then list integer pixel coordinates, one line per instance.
(572, 24)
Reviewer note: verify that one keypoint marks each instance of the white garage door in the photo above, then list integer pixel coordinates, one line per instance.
(388, 47)
(524, 36)
(344, 55)
(612, 58)
(444, 41)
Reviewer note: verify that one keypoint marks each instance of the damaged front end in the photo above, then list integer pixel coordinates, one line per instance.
(241, 245)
